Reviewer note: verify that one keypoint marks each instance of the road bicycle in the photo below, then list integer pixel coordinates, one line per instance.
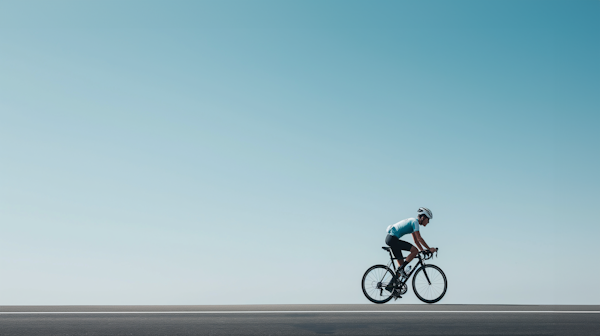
(381, 283)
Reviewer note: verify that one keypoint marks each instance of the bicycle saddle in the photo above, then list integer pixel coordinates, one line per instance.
(385, 248)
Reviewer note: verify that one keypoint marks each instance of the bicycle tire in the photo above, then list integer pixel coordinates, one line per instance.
(430, 292)
(374, 282)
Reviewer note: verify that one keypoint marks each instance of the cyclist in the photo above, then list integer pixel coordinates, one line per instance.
(410, 225)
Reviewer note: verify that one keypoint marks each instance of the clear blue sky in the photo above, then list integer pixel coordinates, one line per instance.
(239, 152)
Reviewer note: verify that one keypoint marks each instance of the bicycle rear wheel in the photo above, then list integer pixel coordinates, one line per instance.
(430, 284)
(374, 282)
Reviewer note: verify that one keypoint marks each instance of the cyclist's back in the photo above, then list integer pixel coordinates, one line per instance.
(403, 227)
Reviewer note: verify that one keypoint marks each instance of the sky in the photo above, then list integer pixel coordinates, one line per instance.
(254, 152)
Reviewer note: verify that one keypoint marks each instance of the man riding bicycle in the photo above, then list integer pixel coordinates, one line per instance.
(409, 225)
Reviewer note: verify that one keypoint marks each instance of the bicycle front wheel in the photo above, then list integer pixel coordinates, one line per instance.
(374, 282)
(430, 284)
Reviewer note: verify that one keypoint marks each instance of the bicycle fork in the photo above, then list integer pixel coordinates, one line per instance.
(426, 276)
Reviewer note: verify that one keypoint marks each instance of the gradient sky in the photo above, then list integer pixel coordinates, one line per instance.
(249, 152)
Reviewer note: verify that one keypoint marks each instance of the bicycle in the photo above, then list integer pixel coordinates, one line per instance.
(381, 283)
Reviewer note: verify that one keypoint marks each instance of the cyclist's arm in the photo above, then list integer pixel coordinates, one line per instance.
(419, 240)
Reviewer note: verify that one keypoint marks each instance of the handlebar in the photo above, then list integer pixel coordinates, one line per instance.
(428, 255)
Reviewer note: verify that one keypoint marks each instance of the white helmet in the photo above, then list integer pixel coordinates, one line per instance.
(426, 212)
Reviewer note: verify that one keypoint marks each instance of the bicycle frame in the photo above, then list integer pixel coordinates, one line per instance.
(420, 263)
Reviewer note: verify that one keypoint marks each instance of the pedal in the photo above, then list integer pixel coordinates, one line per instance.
(396, 294)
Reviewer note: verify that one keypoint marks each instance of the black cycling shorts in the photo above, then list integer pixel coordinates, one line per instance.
(397, 246)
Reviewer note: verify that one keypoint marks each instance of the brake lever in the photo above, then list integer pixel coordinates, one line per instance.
(427, 254)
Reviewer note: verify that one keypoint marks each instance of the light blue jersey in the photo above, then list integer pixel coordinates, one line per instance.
(403, 227)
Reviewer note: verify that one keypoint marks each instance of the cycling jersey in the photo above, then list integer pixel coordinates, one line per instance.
(403, 227)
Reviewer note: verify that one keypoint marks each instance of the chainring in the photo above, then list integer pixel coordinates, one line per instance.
(403, 289)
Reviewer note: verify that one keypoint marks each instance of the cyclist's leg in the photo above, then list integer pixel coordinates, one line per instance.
(412, 255)
(395, 244)
(406, 246)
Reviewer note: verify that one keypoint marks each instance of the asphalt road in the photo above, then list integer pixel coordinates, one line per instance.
(301, 320)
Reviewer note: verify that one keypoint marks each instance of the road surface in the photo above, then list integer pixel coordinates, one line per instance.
(370, 319)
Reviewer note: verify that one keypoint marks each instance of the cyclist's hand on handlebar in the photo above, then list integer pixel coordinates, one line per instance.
(432, 249)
